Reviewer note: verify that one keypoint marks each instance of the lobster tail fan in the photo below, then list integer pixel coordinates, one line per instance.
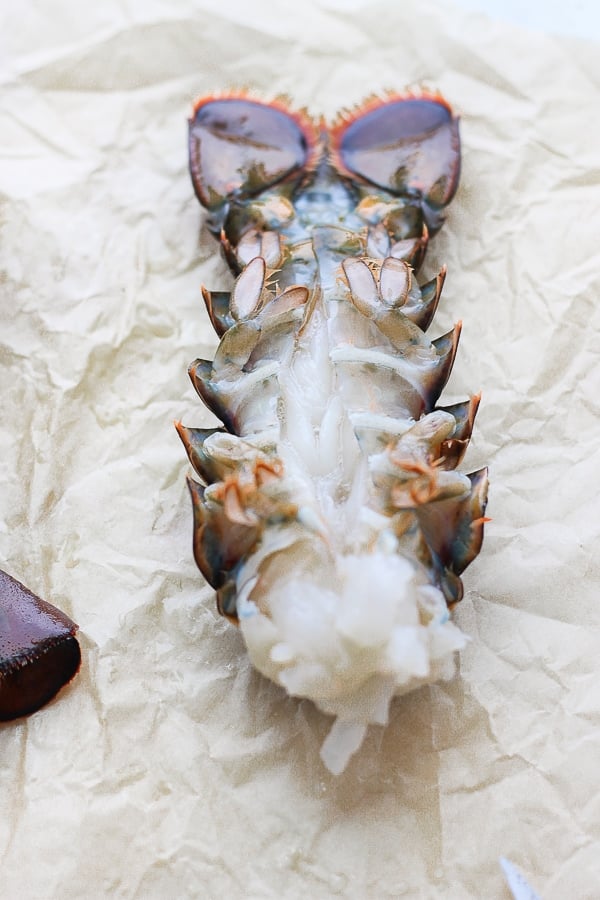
(240, 147)
(408, 145)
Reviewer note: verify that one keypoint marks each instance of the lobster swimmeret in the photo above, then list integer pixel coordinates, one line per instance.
(329, 517)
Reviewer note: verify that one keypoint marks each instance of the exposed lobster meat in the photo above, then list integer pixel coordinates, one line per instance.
(329, 516)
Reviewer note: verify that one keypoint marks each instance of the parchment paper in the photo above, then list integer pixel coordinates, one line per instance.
(169, 769)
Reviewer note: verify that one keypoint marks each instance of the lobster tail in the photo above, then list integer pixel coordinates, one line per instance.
(331, 519)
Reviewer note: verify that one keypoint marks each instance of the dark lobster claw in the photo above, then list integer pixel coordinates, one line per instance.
(39, 652)
(404, 145)
(241, 147)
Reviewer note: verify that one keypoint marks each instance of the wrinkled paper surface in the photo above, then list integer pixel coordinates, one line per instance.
(169, 769)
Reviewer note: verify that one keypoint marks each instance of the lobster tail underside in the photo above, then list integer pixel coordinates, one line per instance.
(329, 516)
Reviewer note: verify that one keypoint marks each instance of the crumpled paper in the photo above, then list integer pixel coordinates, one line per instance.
(169, 768)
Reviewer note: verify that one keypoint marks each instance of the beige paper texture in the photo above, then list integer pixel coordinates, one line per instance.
(169, 769)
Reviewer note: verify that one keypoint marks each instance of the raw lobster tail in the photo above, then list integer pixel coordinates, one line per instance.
(328, 516)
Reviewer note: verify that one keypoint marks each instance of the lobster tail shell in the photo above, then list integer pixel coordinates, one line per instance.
(331, 520)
